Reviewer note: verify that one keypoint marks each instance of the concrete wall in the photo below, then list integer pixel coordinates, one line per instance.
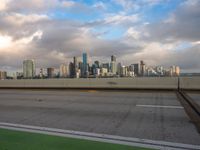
(192, 83)
(119, 83)
(116, 83)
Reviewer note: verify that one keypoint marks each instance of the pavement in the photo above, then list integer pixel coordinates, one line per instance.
(138, 114)
(195, 96)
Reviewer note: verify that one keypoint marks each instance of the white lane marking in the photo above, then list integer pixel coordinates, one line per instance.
(163, 145)
(160, 106)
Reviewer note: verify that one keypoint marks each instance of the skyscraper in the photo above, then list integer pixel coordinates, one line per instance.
(113, 58)
(28, 69)
(71, 70)
(50, 72)
(177, 70)
(75, 67)
(174, 71)
(3, 75)
(143, 68)
(64, 70)
(85, 72)
(119, 66)
(136, 69)
(113, 65)
(41, 75)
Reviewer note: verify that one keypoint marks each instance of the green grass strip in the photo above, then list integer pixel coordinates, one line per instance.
(17, 140)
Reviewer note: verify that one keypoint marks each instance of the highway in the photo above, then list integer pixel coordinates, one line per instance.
(153, 115)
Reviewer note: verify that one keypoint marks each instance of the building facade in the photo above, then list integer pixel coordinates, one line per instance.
(50, 72)
(28, 69)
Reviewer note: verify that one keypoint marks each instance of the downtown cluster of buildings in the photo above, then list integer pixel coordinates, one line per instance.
(82, 69)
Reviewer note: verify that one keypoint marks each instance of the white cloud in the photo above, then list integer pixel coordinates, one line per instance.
(19, 19)
(128, 4)
(133, 33)
(3, 4)
(67, 4)
(100, 5)
(121, 19)
(5, 41)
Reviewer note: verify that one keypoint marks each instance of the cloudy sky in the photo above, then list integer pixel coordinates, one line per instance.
(160, 32)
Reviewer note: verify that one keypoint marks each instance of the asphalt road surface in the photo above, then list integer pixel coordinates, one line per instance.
(195, 96)
(149, 115)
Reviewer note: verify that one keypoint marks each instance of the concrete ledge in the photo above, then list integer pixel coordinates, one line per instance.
(99, 83)
(190, 83)
(146, 83)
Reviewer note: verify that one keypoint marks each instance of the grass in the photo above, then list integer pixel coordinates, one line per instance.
(17, 140)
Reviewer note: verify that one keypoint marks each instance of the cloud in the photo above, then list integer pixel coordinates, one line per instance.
(31, 33)
(3, 5)
(20, 19)
(183, 24)
(128, 4)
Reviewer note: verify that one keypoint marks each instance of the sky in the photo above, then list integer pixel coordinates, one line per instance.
(160, 32)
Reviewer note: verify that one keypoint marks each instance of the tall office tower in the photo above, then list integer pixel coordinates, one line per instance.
(80, 67)
(143, 68)
(28, 69)
(113, 66)
(85, 72)
(113, 58)
(96, 68)
(159, 70)
(71, 70)
(63, 71)
(41, 75)
(123, 71)
(174, 71)
(50, 72)
(75, 67)
(3, 75)
(177, 70)
(97, 64)
(119, 66)
(136, 70)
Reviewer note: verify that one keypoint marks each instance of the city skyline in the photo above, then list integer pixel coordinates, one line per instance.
(82, 68)
(156, 31)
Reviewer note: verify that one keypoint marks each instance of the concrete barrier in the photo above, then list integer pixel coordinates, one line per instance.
(99, 83)
(171, 83)
(190, 83)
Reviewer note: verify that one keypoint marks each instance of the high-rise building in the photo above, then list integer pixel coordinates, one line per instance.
(71, 70)
(75, 67)
(113, 58)
(85, 71)
(177, 71)
(104, 72)
(28, 69)
(113, 65)
(3, 75)
(119, 66)
(123, 71)
(41, 74)
(159, 70)
(50, 72)
(106, 65)
(142, 68)
(174, 71)
(63, 71)
(136, 70)
(97, 64)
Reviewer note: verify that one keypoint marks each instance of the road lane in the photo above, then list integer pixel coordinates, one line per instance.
(104, 112)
